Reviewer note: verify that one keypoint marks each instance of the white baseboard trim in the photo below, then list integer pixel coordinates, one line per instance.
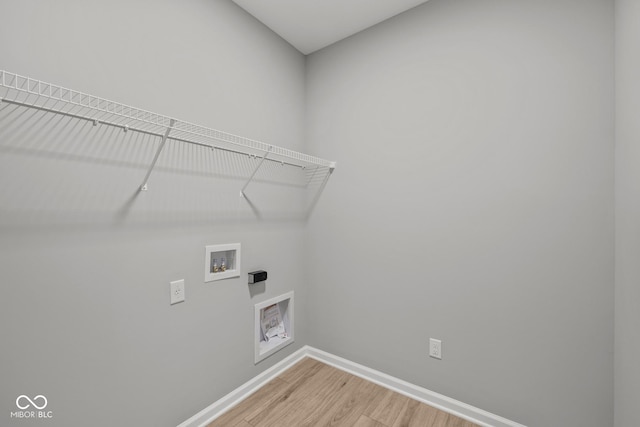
(452, 406)
(431, 398)
(219, 407)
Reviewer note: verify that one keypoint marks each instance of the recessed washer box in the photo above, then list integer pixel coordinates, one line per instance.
(221, 262)
(273, 326)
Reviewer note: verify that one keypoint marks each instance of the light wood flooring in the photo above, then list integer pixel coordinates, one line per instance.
(312, 393)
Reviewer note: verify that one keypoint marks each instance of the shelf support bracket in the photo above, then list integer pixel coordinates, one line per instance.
(246, 184)
(143, 187)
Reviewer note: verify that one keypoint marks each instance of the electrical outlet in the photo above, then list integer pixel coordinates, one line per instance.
(435, 348)
(177, 291)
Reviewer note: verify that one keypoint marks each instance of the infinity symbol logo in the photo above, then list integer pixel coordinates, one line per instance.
(31, 402)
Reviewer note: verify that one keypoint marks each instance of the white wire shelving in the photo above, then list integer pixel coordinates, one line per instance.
(36, 94)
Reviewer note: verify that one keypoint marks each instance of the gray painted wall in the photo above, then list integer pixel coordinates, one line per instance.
(474, 203)
(627, 302)
(85, 317)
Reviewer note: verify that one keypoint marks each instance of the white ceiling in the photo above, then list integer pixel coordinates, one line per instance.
(310, 25)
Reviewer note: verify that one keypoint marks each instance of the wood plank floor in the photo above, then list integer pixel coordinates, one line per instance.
(312, 393)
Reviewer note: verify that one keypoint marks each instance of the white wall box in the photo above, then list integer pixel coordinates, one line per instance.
(221, 262)
(266, 347)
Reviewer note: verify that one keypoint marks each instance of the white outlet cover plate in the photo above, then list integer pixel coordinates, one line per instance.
(435, 348)
(177, 291)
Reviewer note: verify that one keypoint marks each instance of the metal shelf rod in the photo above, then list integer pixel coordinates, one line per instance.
(79, 116)
(27, 87)
(143, 187)
(135, 129)
(49, 98)
(255, 171)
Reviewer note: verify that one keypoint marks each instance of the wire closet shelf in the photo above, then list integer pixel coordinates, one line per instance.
(48, 97)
